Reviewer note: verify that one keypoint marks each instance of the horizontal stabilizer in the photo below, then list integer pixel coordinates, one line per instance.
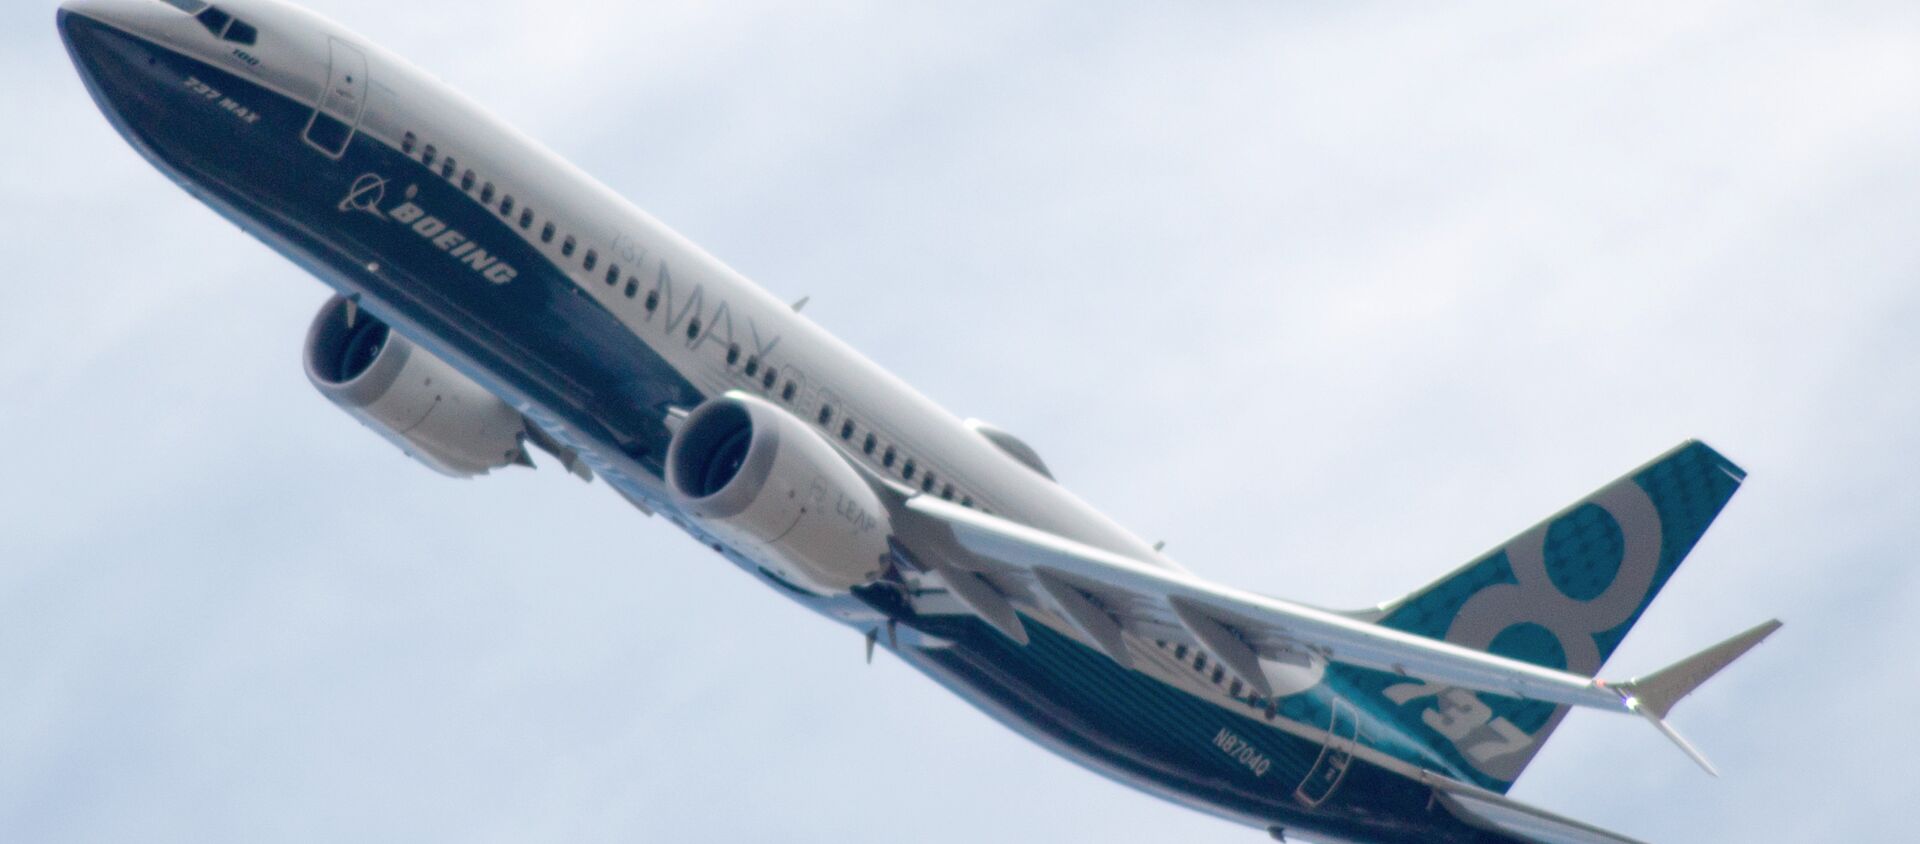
(1659, 691)
(1654, 695)
(1511, 818)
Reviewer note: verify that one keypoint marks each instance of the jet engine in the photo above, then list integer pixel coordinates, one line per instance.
(762, 481)
(433, 412)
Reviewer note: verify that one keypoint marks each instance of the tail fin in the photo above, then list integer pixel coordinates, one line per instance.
(1562, 594)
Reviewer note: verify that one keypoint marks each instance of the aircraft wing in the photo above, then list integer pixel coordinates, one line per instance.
(994, 566)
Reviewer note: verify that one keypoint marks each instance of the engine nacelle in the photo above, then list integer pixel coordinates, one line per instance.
(771, 487)
(433, 412)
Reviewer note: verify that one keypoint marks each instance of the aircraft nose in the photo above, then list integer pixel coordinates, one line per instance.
(104, 11)
(123, 15)
(145, 18)
(111, 44)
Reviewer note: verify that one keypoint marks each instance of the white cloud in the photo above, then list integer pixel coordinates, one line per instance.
(1332, 298)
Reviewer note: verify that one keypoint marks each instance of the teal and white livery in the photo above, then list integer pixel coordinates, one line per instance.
(491, 302)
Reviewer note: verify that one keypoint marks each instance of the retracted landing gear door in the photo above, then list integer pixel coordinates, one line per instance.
(337, 115)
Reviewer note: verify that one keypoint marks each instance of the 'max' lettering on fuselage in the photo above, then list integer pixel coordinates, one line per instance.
(701, 325)
(453, 242)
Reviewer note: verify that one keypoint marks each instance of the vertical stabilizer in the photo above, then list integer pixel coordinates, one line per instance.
(1562, 594)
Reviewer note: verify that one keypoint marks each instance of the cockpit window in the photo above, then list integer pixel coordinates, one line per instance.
(221, 24)
(215, 20)
(242, 32)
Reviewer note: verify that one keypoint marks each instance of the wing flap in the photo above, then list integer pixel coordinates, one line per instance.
(1221, 642)
(968, 585)
(1078, 608)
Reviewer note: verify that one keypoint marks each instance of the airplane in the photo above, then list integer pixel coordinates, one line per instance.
(492, 301)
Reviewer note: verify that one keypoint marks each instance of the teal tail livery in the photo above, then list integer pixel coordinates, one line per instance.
(1561, 595)
(492, 302)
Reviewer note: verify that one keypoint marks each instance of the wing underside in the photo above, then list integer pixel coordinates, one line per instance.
(996, 569)
(1001, 566)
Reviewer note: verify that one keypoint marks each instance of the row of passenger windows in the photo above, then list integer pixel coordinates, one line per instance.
(889, 457)
(431, 156)
(909, 469)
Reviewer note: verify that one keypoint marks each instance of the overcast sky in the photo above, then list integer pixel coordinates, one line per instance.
(1331, 297)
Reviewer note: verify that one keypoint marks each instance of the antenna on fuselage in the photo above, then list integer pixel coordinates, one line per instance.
(802, 303)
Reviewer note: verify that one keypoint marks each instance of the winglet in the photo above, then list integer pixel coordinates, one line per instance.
(1654, 695)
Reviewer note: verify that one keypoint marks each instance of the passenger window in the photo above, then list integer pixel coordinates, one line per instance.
(753, 365)
(1234, 690)
(546, 233)
(908, 470)
(486, 193)
(428, 154)
(867, 447)
(592, 258)
(733, 354)
(967, 501)
(693, 329)
(768, 379)
(1218, 673)
(786, 393)
(926, 483)
(887, 460)
(406, 143)
(466, 180)
(946, 492)
(506, 205)
(526, 218)
(566, 246)
(846, 430)
(826, 414)
(446, 168)
(1179, 651)
(633, 288)
(613, 273)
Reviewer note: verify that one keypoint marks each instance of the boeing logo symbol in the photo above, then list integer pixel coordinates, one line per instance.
(369, 192)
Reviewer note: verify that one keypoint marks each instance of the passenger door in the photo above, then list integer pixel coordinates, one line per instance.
(336, 116)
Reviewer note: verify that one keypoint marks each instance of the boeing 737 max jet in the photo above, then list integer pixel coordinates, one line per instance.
(491, 300)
